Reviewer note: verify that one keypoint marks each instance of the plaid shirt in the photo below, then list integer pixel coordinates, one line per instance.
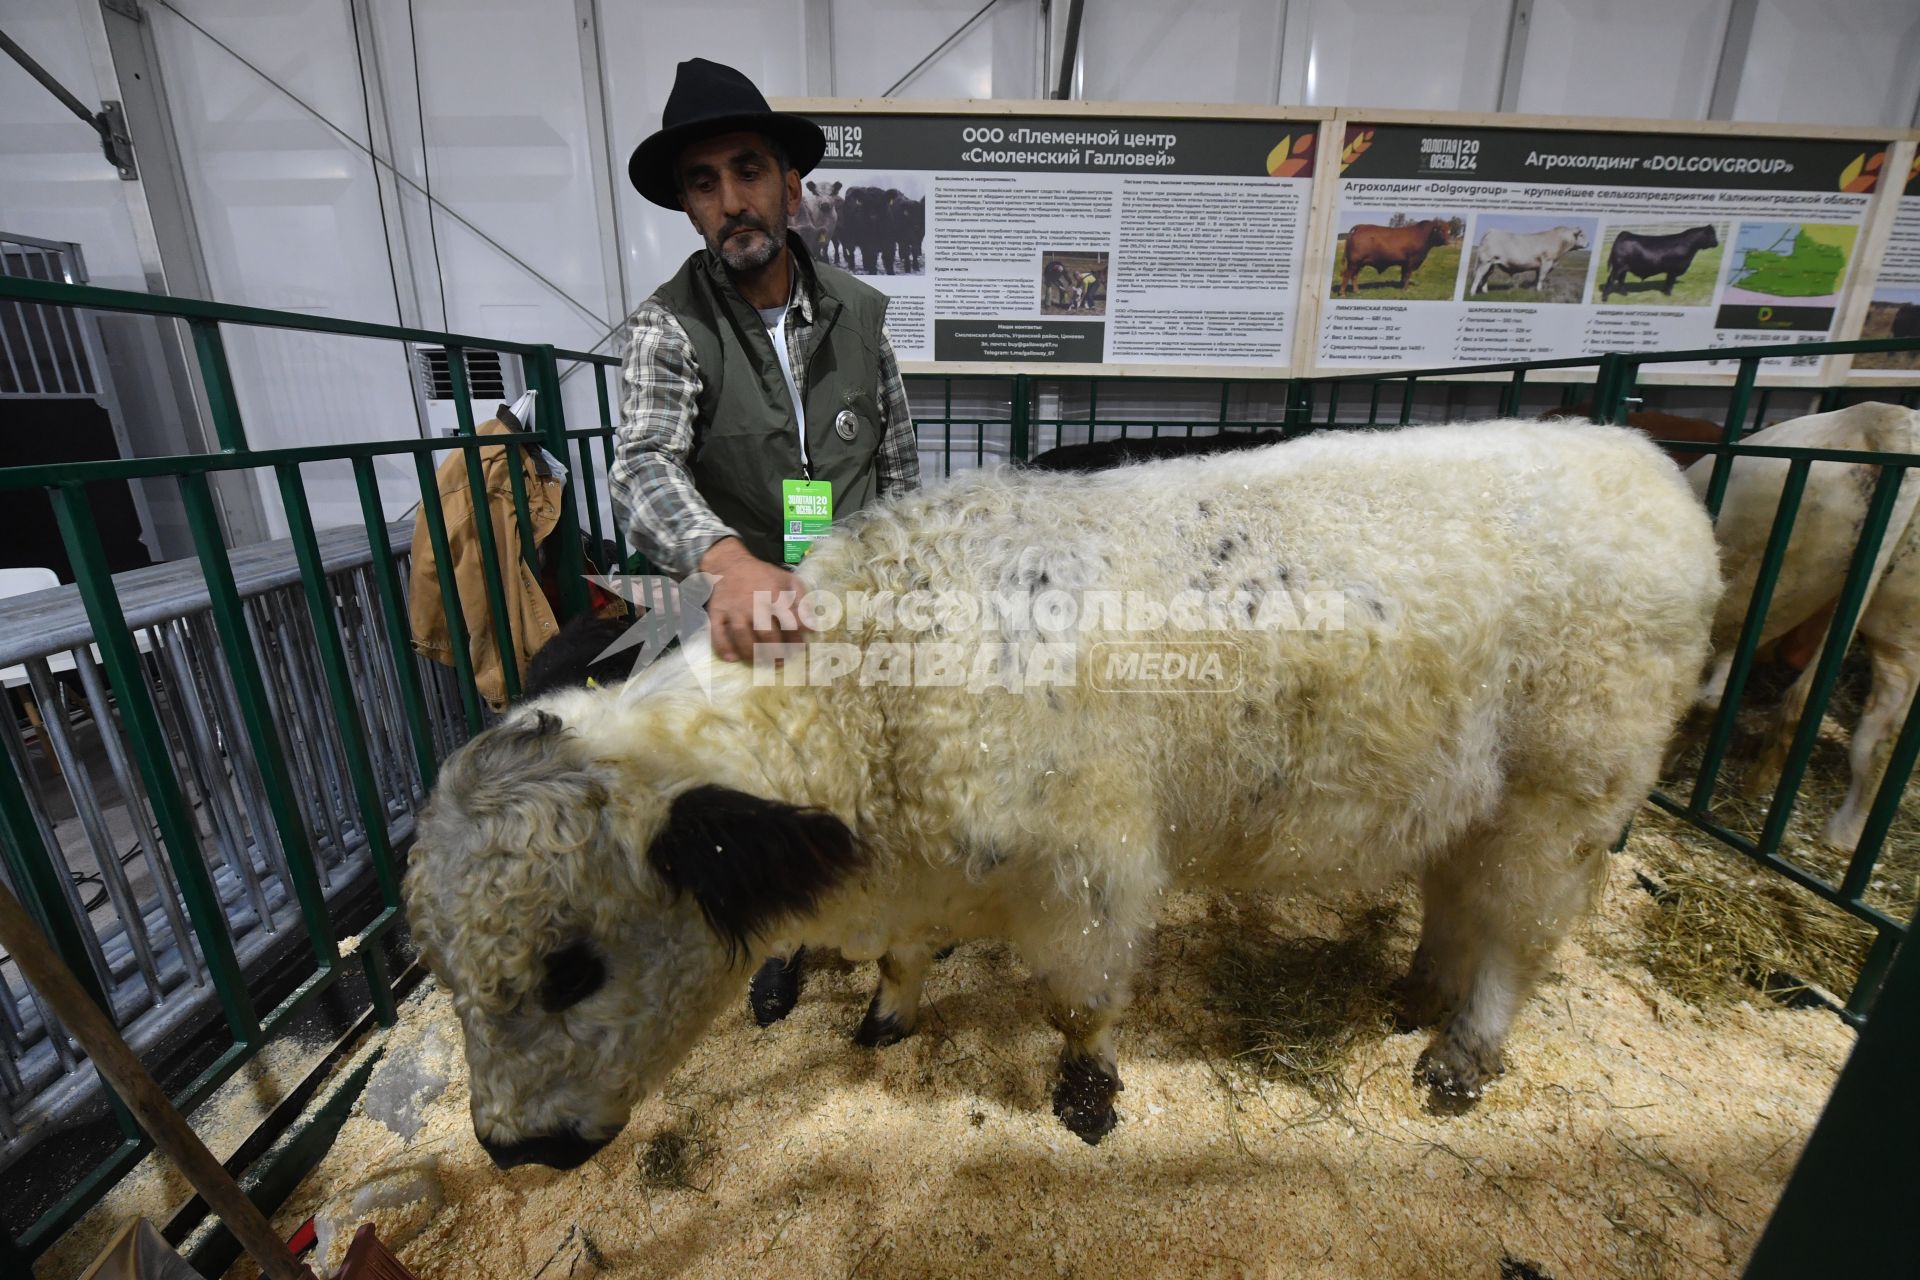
(653, 495)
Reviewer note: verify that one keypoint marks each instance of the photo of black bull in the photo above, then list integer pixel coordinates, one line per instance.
(878, 229)
(1647, 256)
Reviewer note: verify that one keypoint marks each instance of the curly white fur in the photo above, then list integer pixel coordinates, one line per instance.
(1527, 615)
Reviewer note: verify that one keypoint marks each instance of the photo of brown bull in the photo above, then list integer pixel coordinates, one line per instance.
(1380, 247)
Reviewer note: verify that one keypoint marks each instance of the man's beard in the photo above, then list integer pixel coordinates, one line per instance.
(751, 255)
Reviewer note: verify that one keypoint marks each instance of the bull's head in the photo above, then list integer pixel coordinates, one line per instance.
(590, 921)
(1439, 233)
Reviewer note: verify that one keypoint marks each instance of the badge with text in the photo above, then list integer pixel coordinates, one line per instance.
(806, 513)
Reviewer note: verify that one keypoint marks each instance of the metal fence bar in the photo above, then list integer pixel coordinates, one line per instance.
(270, 636)
(65, 896)
(93, 823)
(386, 581)
(206, 763)
(138, 813)
(352, 614)
(552, 423)
(333, 661)
(523, 517)
(483, 526)
(1853, 594)
(1886, 802)
(1510, 394)
(606, 448)
(459, 643)
(1775, 554)
(229, 724)
(1736, 421)
(288, 825)
(110, 632)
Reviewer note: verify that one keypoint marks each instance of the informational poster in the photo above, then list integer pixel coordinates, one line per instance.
(1088, 240)
(1894, 309)
(1464, 245)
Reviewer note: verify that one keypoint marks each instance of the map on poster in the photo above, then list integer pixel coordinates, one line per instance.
(1461, 245)
(1894, 310)
(1055, 239)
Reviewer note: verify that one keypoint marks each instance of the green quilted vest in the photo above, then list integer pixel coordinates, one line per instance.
(744, 435)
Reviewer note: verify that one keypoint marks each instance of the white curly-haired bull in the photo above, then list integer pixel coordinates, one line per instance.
(1526, 616)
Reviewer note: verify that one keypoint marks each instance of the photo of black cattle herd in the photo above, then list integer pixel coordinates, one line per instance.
(868, 229)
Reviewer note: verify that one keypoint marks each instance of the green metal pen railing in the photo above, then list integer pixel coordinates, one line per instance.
(1017, 406)
(27, 858)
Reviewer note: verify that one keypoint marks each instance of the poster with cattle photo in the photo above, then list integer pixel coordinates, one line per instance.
(1894, 309)
(1468, 244)
(1004, 240)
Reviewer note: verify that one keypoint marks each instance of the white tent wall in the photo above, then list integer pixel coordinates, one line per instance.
(54, 182)
(1832, 62)
(1649, 58)
(520, 115)
(289, 217)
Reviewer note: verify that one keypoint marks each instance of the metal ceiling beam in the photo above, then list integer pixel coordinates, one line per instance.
(1069, 50)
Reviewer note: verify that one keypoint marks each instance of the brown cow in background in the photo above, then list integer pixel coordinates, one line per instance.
(1382, 247)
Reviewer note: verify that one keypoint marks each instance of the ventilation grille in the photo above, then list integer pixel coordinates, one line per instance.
(485, 379)
(42, 349)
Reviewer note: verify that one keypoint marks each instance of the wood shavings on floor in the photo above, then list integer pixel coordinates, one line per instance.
(1633, 1136)
(155, 1188)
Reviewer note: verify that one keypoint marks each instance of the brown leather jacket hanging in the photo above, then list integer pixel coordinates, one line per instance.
(529, 614)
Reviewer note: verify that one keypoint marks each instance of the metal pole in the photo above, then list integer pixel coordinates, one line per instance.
(1069, 50)
(143, 1096)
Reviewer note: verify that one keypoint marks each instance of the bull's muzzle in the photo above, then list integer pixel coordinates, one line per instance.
(563, 1150)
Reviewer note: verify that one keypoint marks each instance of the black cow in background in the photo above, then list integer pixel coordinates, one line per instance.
(865, 234)
(1648, 256)
(1906, 321)
(1099, 455)
(909, 231)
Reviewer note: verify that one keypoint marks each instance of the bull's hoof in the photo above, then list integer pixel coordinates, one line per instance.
(1416, 1004)
(775, 989)
(878, 1030)
(1083, 1099)
(1454, 1081)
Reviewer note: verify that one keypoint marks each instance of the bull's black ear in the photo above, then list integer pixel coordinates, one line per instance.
(749, 862)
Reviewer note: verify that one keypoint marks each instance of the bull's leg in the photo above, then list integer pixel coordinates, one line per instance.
(1441, 974)
(895, 1008)
(1496, 908)
(1896, 669)
(1086, 970)
(1764, 774)
(1089, 1069)
(775, 988)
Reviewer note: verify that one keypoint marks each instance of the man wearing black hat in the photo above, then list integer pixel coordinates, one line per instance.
(761, 389)
(763, 401)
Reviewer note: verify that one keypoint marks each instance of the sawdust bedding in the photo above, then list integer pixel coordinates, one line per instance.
(1634, 1135)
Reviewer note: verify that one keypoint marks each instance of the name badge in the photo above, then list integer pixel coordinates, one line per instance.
(806, 513)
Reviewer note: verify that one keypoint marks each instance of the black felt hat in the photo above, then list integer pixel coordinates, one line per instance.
(707, 100)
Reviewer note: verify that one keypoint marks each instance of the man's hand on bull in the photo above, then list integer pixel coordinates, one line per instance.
(753, 602)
